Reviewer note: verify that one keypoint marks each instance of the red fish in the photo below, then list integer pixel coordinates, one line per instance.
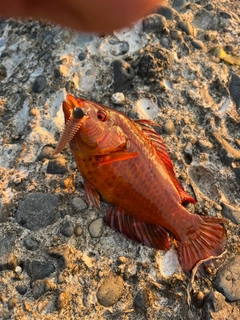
(127, 163)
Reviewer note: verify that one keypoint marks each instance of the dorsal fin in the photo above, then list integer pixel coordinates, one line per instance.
(162, 152)
(150, 235)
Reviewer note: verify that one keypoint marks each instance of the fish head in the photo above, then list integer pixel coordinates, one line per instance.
(91, 128)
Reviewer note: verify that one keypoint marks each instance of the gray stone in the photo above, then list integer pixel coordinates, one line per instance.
(231, 213)
(79, 204)
(175, 34)
(198, 44)
(7, 243)
(141, 299)
(37, 211)
(118, 98)
(38, 270)
(178, 4)
(110, 291)
(167, 12)
(30, 243)
(123, 75)
(154, 23)
(228, 279)
(39, 84)
(38, 288)
(78, 231)
(67, 229)
(22, 289)
(95, 228)
(235, 89)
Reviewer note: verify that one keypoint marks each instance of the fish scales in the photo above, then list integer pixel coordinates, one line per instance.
(128, 164)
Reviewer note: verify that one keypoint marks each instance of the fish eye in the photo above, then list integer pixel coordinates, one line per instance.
(101, 116)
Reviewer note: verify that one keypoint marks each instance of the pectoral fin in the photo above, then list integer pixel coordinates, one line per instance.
(117, 156)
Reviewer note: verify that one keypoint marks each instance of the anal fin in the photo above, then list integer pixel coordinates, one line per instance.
(150, 235)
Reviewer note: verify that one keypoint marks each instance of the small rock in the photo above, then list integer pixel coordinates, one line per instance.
(154, 23)
(79, 204)
(46, 153)
(141, 299)
(38, 270)
(56, 167)
(186, 27)
(8, 261)
(204, 144)
(123, 75)
(39, 288)
(110, 291)
(96, 228)
(118, 98)
(235, 89)
(169, 127)
(209, 7)
(78, 231)
(178, 4)
(37, 210)
(82, 56)
(198, 44)
(66, 229)
(231, 213)
(12, 303)
(21, 289)
(39, 84)
(30, 243)
(228, 279)
(63, 299)
(166, 12)
(175, 34)
(7, 243)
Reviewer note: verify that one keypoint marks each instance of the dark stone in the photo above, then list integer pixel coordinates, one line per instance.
(237, 174)
(22, 289)
(198, 44)
(231, 213)
(3, 72)
(166, 12)
(67, 229)
(39, 288)
(178, 4)
(39, 84)
(37, 211)
(8, 261)
(30, 243)
(38, 270)
(235, 89)
(204, 180)
(228, 279)
(47, 41)
(141, 299)
(175, 34)
(110, 291)
(154, 23)
(82, 56)
(225, 15)
(186, 27)
(56, 167)
(7, 243)
(123, 75)
(209, 7)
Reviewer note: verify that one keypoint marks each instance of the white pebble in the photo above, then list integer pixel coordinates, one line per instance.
(118, 98)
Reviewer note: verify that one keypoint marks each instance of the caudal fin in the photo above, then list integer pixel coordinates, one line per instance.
(207, 240)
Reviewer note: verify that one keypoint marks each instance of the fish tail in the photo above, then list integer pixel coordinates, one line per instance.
(204, 240)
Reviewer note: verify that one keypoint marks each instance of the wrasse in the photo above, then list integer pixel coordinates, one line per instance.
(127, 162)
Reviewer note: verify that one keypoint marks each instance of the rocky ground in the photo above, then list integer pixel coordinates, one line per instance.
(58, 259)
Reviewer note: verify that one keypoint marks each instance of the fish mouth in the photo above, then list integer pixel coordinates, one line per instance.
(74, 117)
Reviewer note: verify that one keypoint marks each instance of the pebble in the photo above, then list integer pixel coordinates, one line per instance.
(38, 270)
(63, 299)
(178, 4)
(37, 210)
(96, 228)
(38, 288)
(110, 291)
(234, 89)
(21, 289)
(226, 152)
(30, 243)
(175, 34)
(123, 75)
(237, 174)
(186, 27)
(82, 56)
(154, 23)
(140, 299)
(204, 144)
(79, 204)
(166, 12)
(231, 213)
(56, 167)
(39, 84)
(169, 127)
(78, 231)
(8, 261)
(7, 243)
(198, 44)
(67, 229)
(12, 303)
(46, 153)
(228, 279)
(18, 269)
(118, 98)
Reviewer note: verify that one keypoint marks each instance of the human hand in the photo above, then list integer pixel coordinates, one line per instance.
(85, 15)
